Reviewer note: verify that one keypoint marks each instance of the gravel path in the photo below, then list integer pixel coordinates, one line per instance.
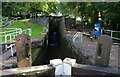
(26, 25)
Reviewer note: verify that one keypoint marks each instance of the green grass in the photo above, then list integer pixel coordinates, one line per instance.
(37, 29)
(18, 24)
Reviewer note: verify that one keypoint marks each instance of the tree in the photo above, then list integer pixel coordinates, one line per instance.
(86, 10)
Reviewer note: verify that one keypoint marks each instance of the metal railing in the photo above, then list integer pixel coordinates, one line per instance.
(79, 35)
(9, 36)
(45, 29)
(3, 19)
(11, 30)
(12, 33)
(27, 31)
(111, 33)
(7, 23)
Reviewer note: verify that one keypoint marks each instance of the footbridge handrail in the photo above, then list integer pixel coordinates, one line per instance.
(111, 33)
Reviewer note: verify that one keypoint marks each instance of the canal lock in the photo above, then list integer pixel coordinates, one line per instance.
(54, 46)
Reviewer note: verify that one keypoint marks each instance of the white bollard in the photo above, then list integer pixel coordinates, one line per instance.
(68, 63)
(57, 63)
(63, 68)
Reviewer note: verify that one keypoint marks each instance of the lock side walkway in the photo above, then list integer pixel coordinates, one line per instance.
(87, 49)
(7, 54)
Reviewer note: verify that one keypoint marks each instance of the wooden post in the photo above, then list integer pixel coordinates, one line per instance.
(103, 50)
(23, 48)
